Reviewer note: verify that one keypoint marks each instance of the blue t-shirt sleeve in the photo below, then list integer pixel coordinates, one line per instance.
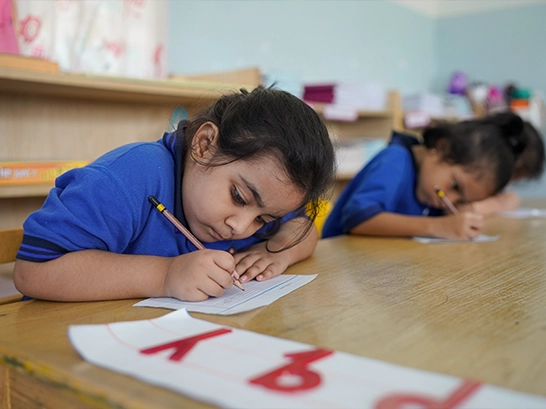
(87, 209)
(376, 188)
(94, 207)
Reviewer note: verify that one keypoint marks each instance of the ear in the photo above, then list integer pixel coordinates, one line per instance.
(204, 141)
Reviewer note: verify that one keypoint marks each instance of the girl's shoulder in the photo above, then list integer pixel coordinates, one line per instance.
(394, 154)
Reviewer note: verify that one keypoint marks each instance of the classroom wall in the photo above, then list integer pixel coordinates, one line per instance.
(496, 47)
(373, 41)
(360, 41)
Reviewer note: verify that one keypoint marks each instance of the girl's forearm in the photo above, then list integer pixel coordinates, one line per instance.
(92, 275)
(498, 203)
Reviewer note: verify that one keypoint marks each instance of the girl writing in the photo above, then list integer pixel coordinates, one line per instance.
(239, 176)
(394, 194)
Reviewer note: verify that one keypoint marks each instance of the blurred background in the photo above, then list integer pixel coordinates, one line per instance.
(447, 59)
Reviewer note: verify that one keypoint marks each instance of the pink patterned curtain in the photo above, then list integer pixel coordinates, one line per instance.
(113, 37)
(8, 40)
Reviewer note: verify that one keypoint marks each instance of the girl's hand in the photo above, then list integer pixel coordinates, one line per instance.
(460, 226)
(256, 262)
(199, 275)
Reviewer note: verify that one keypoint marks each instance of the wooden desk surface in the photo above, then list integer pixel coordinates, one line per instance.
(467, 309)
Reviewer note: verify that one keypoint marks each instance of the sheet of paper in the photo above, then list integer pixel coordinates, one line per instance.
(256, 294)
(524, 213)
(233, 368)
(482, 238)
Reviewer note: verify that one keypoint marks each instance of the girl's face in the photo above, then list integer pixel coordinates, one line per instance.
(233, 201)
(459, 185)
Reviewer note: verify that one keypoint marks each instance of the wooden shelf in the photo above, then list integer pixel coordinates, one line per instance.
(95, 87)
(25, 191)
(368, 125)
(362, 114)
(48, 116)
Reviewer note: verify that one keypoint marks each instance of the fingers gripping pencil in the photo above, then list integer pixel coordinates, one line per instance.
(163, 210)
(445, 199)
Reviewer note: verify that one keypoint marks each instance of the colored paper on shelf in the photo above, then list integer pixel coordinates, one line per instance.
(31, 173)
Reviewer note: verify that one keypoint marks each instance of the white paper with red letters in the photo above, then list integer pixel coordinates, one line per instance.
(233, 368)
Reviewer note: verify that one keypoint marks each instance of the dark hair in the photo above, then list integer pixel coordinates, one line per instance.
(275, 122)
(490, 145)
(530, 163)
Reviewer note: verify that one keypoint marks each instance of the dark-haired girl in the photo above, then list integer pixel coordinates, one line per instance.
(245, 176)
(395, 193)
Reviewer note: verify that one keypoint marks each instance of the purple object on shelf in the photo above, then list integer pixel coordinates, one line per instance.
(458, 83)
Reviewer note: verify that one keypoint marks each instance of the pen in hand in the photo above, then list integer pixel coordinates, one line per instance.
(163, 210)
(445, 199)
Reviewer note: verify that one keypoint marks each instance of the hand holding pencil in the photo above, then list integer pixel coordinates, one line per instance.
(446, 200)
(465, 225)
(163, 210)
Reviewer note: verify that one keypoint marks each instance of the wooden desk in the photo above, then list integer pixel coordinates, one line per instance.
(468, 309)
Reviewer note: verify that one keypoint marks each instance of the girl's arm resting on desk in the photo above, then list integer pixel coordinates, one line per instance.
(257, 262)
(89, 275)
(463, 225)
(501, 202)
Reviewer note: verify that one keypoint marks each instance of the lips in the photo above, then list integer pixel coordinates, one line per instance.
(217, 235)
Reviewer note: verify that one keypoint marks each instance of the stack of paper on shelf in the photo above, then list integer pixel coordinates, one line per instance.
(430, 103)
(370, 97)
(352, 154)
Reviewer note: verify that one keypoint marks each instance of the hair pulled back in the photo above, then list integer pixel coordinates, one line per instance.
(490, 145)
(268, 121)
(530, 162)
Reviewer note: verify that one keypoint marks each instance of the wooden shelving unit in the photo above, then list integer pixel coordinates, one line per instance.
(58, 116)
(369, 124)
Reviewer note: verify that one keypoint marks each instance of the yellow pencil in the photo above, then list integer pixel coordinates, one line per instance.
(445, 199)
(163, 210)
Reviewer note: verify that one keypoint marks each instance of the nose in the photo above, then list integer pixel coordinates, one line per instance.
(241, 224)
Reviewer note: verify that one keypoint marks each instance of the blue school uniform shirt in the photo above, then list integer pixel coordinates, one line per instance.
(105, 206)
(385, 184)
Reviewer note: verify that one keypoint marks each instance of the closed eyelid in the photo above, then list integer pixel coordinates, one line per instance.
(460, 188)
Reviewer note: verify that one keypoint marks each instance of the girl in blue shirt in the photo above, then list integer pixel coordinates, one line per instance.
(394, 194)
(238, 176)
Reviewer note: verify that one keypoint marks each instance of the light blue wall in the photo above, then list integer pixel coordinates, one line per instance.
(360, 41)
(497, 47)
(372, 41)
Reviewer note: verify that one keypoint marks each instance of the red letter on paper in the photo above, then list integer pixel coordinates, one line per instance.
(306, 379)
(183, 346)
(424, 402)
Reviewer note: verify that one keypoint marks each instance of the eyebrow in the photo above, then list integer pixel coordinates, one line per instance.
(257, 196)
(254, 192)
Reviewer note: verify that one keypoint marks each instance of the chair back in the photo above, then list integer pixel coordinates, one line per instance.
(10, 241)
